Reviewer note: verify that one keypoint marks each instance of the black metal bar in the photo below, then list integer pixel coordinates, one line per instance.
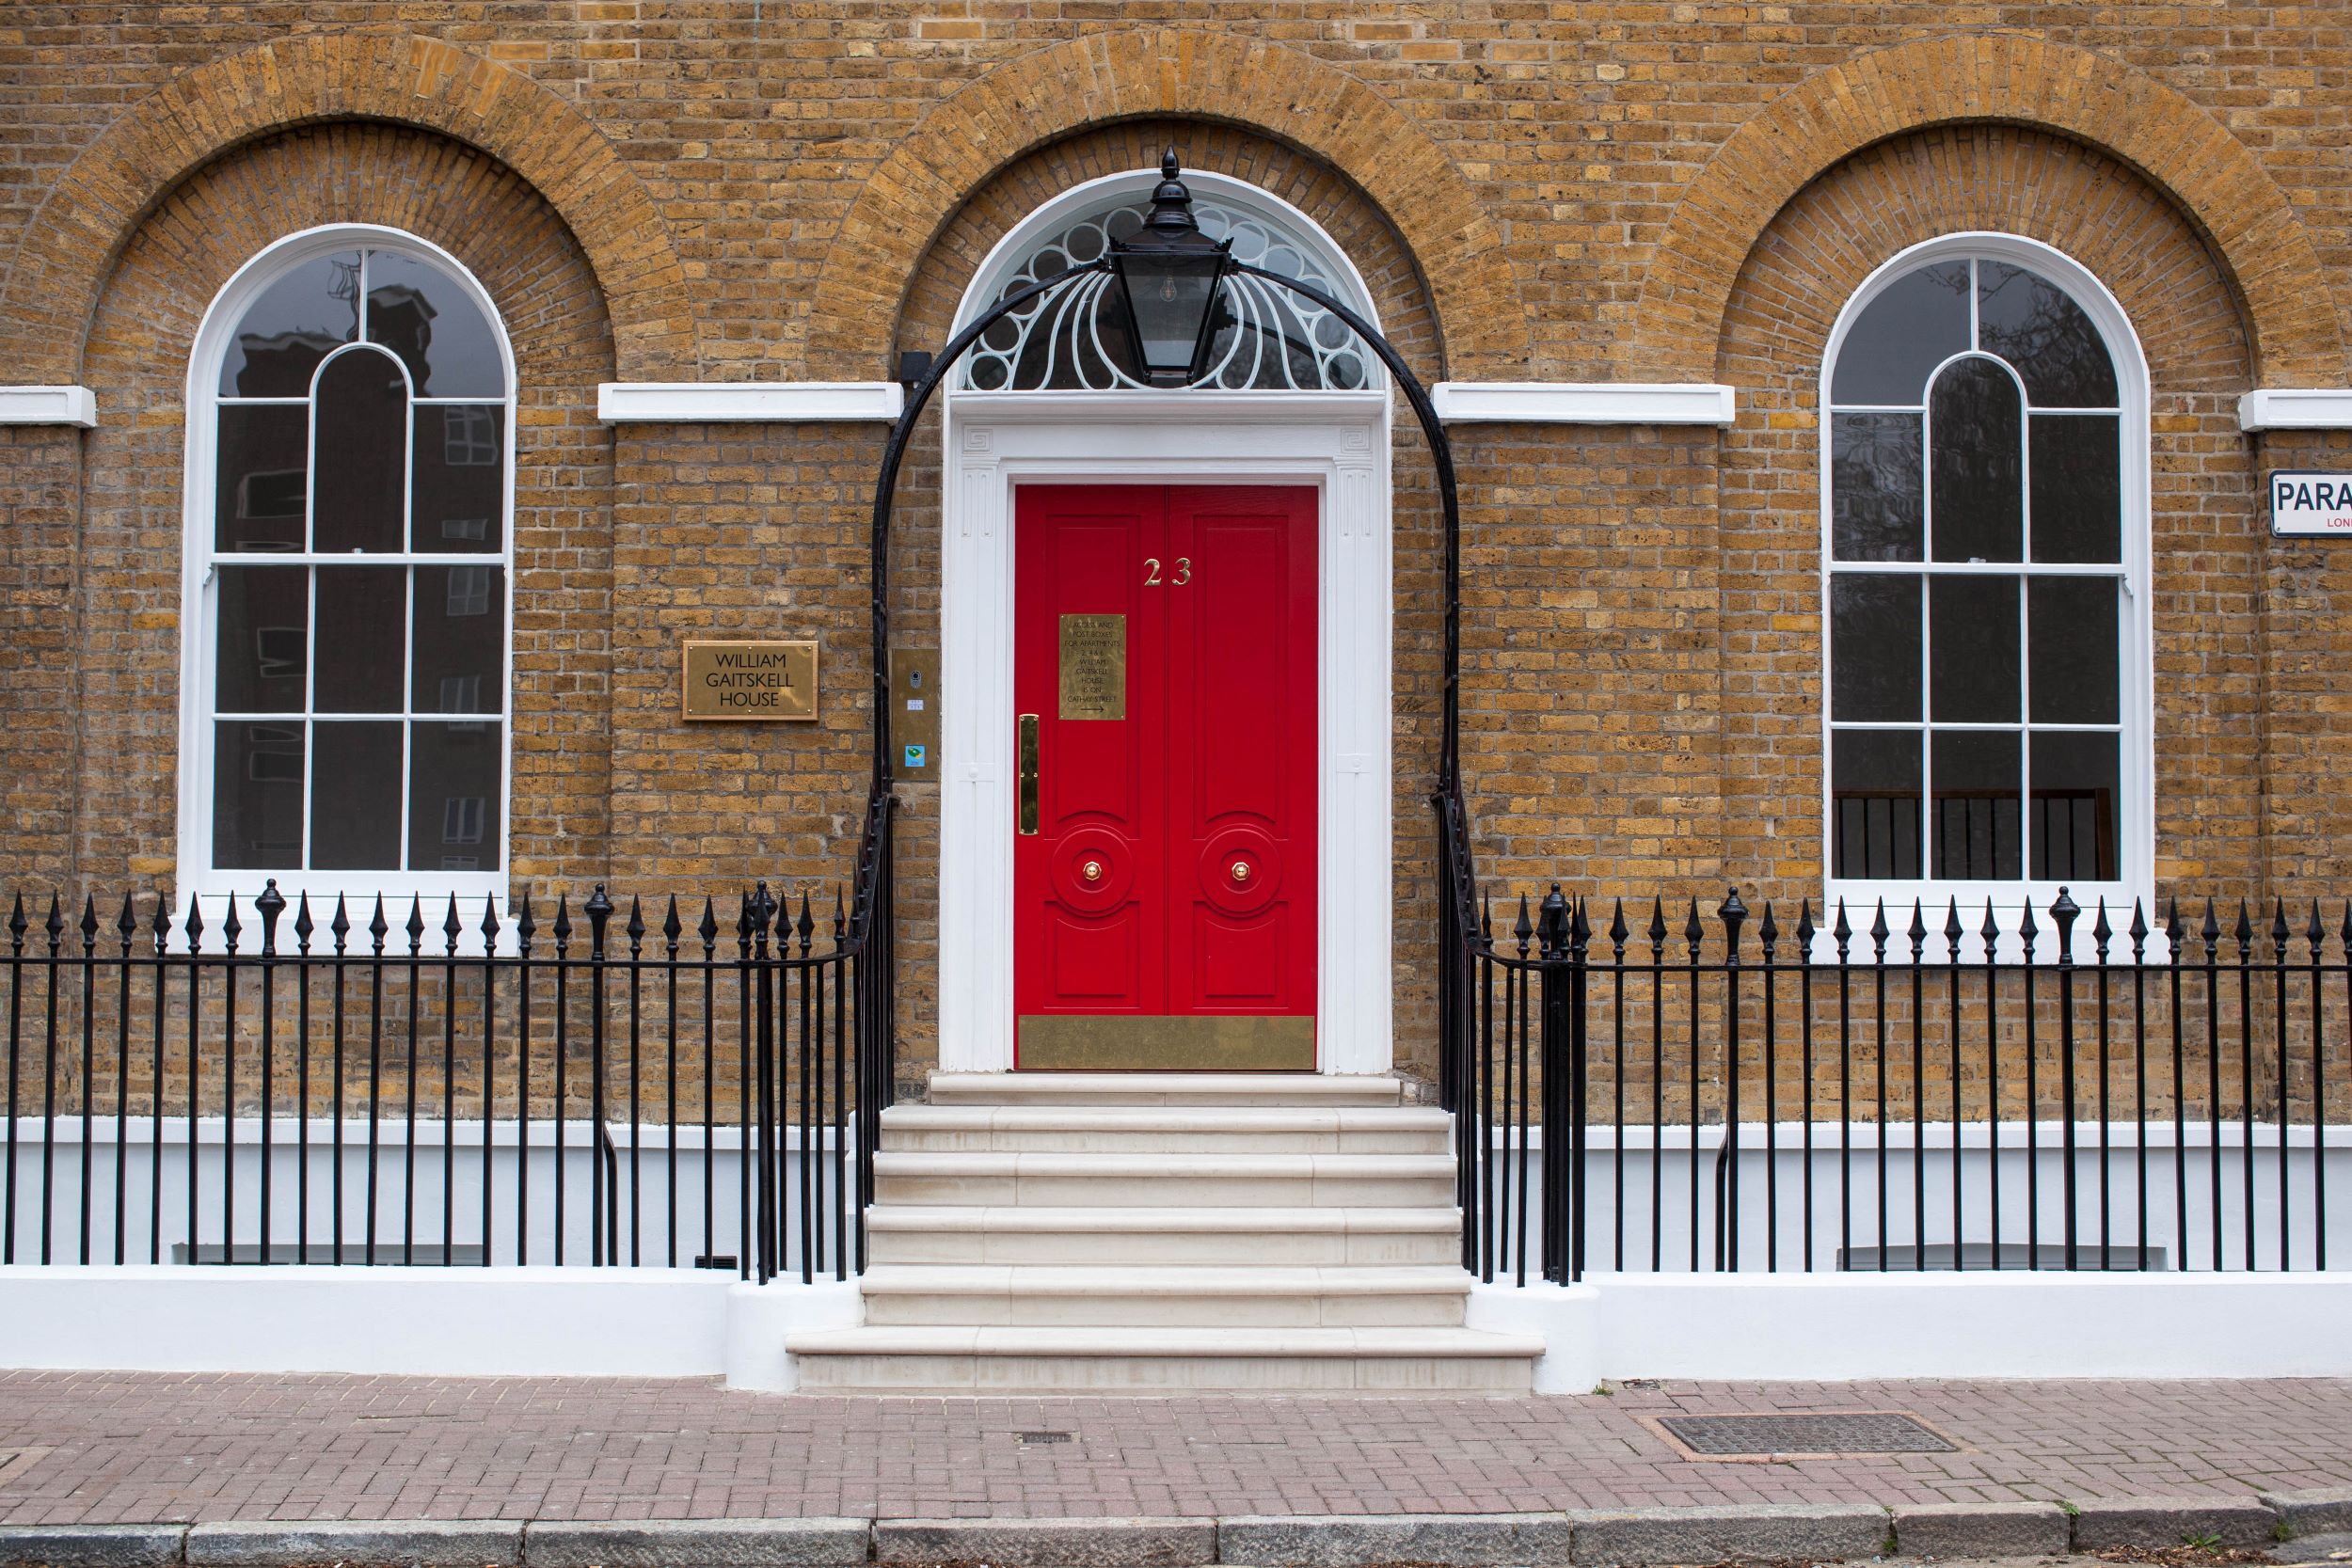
(15, 1000)
(303, 930)
(2063, 913)
(598, 910)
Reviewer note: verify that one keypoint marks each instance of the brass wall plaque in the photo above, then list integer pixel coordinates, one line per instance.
(750, 680)
(1094, 667)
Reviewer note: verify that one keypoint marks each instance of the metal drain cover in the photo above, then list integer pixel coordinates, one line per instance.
(1855, 1432)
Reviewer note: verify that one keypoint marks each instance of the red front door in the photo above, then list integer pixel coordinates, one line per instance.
(1164, 860)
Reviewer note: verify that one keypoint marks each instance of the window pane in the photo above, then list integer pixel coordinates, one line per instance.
(263, 480)
(2074, 784)
(362, 424)
(453, 816)
(1915, 324)
(2077, 487)
(2071, 625)
(1874, 647)
(1876, 491)
(1874, 803)
(1972, 641)
(263, 639)
(362, 610)
(257, 797)
(355, 796)
(1976, 805)
(1976, 457)
(461, 634)
(2029, 321)
(426, 317)
(295, 322)
(459, 475)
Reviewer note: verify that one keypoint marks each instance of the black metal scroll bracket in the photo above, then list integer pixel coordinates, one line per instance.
(1440, 453)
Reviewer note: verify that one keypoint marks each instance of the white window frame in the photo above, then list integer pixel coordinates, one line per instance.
(198, 878)
(2136, 770)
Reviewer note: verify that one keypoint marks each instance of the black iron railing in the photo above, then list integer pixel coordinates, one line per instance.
(645, 1083)
(1647, 1086)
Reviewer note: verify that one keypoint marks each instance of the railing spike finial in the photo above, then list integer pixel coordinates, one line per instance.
(17, 923)
(1486, 916)
(840, 919)
(451, 926)
(2029, 932)
(2278, 930)
(192, 927)
(1657, 929)
(636, 927)
(489, 926)
(1880, 931)
(303, 926)
(379, 927)
(2344, 933)
(1551, 924)
(127, 925)
(2174, 931)
(562, 929)
(2243, 931)
(1618, 930)
(415, 923)
(1525, 928)
(341, 925)
(1694, 933)
(599, 911)
(2101, 932)
(1917, 931)
(1804, 927)
(708, 927)
(1953, 931)
(1580, 930)
(2210, 931)
(89, 921)
(160, 928)
(2138, 931)
(525, 927)
(806, 928)
(1842, 933)
(2315, 933)
(1767, 934)
(672, 927)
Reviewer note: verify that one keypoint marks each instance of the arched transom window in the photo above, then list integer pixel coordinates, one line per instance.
(1984, 506)
(1077, 338)
(349, 514)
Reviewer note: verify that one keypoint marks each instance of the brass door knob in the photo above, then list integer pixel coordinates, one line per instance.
(1240, 871)
(1091, 871)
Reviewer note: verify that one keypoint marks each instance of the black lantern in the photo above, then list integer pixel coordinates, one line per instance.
(1169, 272)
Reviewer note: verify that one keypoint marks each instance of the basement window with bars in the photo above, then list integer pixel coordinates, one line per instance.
(1984, 510)
(350, 545)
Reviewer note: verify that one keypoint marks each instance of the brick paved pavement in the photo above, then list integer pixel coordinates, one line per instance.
(147, 1447)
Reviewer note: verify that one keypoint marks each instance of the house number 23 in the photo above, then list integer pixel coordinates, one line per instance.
(1151, 572)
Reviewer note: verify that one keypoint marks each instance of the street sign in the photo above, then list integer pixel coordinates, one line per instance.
(2305, 505)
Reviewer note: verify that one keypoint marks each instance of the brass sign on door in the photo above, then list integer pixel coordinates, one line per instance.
(750, 680)
(1094, 667)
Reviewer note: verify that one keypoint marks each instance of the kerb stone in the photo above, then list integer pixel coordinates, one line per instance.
(695, 1543)
(1980, 1530)
(91, 1545)
(1535, 1540)
(2161, 1522)
(379, 1543)
(1755, 1531)
(2326, 1511)
(1048, 1543)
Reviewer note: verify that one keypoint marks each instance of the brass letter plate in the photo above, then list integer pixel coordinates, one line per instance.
(750, 680)
(1094, 667)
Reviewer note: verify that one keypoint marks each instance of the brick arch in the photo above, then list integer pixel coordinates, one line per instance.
(99, 200)
(1997, 77)
(1108, 77)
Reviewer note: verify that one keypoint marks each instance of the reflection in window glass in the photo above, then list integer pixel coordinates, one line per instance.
(2003, 493)
(321, 670)
(301, 318)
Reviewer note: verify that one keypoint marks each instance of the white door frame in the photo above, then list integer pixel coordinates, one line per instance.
(1336, 441)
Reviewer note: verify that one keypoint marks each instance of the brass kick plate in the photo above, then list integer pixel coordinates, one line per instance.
(1061, 1042)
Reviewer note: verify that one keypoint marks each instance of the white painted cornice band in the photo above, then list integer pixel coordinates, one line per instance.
(49, 405)
(2296, 408)
(1584, 402)
(749, 402)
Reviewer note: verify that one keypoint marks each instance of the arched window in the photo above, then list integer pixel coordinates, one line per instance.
(350, 508)
(1985, 507)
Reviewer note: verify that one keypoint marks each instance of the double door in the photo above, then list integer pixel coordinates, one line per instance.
(1164, 850)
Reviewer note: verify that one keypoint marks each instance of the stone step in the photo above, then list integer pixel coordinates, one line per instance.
(1168, 1129)
(1165, 1297)
(1208, 1181)
(1164, 1237)
(883, 1359)
(1164, 1088)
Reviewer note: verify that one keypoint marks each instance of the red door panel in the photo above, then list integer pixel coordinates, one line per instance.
(1171, 872)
